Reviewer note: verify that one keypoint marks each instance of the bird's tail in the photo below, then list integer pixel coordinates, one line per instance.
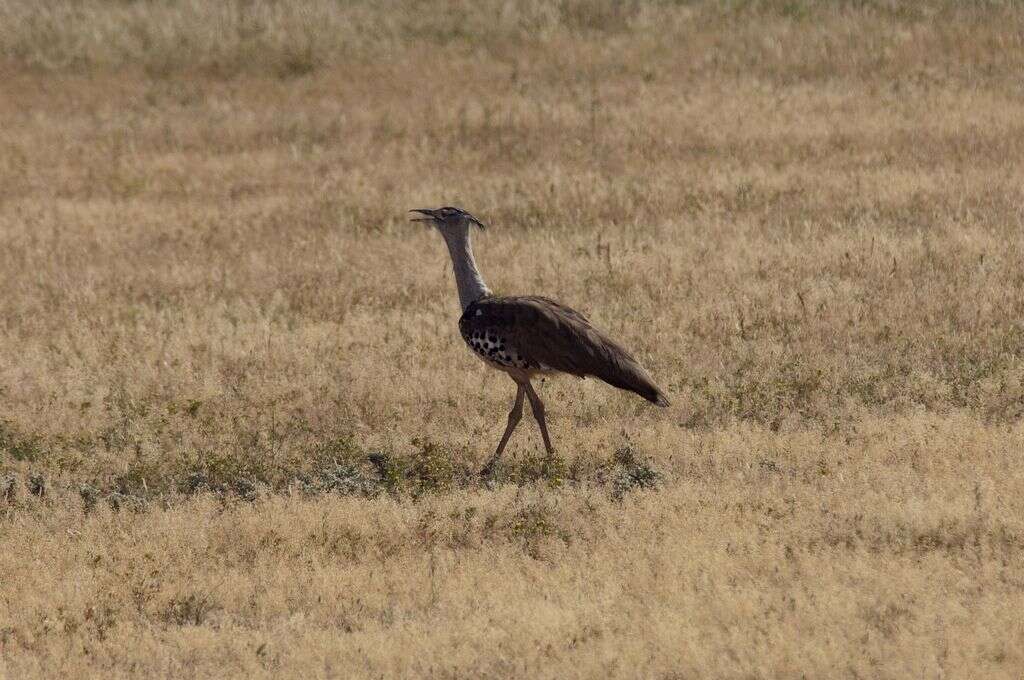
(629, 375)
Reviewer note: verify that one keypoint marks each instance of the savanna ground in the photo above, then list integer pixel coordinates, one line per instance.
(240, 431)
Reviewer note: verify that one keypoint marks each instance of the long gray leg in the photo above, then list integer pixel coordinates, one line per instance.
(538, 413)
(513, 419)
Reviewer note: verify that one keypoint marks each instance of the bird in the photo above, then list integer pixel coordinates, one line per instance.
(527, 336)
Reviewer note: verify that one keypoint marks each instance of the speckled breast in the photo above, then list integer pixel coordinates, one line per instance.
(491, 346)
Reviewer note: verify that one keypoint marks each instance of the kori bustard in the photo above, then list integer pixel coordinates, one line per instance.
(526, 336)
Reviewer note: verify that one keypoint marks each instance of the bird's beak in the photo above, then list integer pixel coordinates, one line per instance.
(477, 222)
(423, 211)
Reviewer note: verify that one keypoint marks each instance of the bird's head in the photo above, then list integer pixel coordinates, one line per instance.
(448, 220)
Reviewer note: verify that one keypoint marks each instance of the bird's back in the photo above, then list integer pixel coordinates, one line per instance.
(533, 333)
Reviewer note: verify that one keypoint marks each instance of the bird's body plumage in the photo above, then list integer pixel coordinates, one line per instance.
(535, 334)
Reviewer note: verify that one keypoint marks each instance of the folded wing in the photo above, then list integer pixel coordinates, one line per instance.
(550, 335)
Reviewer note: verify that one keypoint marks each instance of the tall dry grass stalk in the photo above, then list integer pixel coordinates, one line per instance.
(238, 428)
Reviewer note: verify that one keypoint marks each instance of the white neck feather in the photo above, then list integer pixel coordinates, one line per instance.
(467, 277)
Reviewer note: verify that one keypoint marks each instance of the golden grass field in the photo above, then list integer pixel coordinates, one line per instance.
(239, 431)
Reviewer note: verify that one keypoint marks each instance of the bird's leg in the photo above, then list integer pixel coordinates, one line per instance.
(513, 419)
(538, 413)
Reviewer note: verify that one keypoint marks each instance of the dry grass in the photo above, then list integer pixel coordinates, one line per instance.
(238, 428)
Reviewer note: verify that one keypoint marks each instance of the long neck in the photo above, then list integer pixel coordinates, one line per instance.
(467, 277)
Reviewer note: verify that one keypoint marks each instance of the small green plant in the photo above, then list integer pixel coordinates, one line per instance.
(8, 487)
(432, 468)
(37, 485)
(192, 408)
(629, 471)
(533, 525)
(20, 447)
(90, 496)
(345, 478)
(342, 449)
(531, 522)
(226, 471)
(127, 502)
(389, 470)
(552, 470)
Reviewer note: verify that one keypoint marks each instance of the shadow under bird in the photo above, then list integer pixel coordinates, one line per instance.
(529, 335)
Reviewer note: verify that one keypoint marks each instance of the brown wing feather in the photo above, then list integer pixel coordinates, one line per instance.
(547, 333)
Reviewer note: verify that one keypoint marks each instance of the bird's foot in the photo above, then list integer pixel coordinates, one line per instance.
(487, 472)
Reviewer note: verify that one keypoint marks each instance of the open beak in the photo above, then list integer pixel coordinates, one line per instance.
(423, 211)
